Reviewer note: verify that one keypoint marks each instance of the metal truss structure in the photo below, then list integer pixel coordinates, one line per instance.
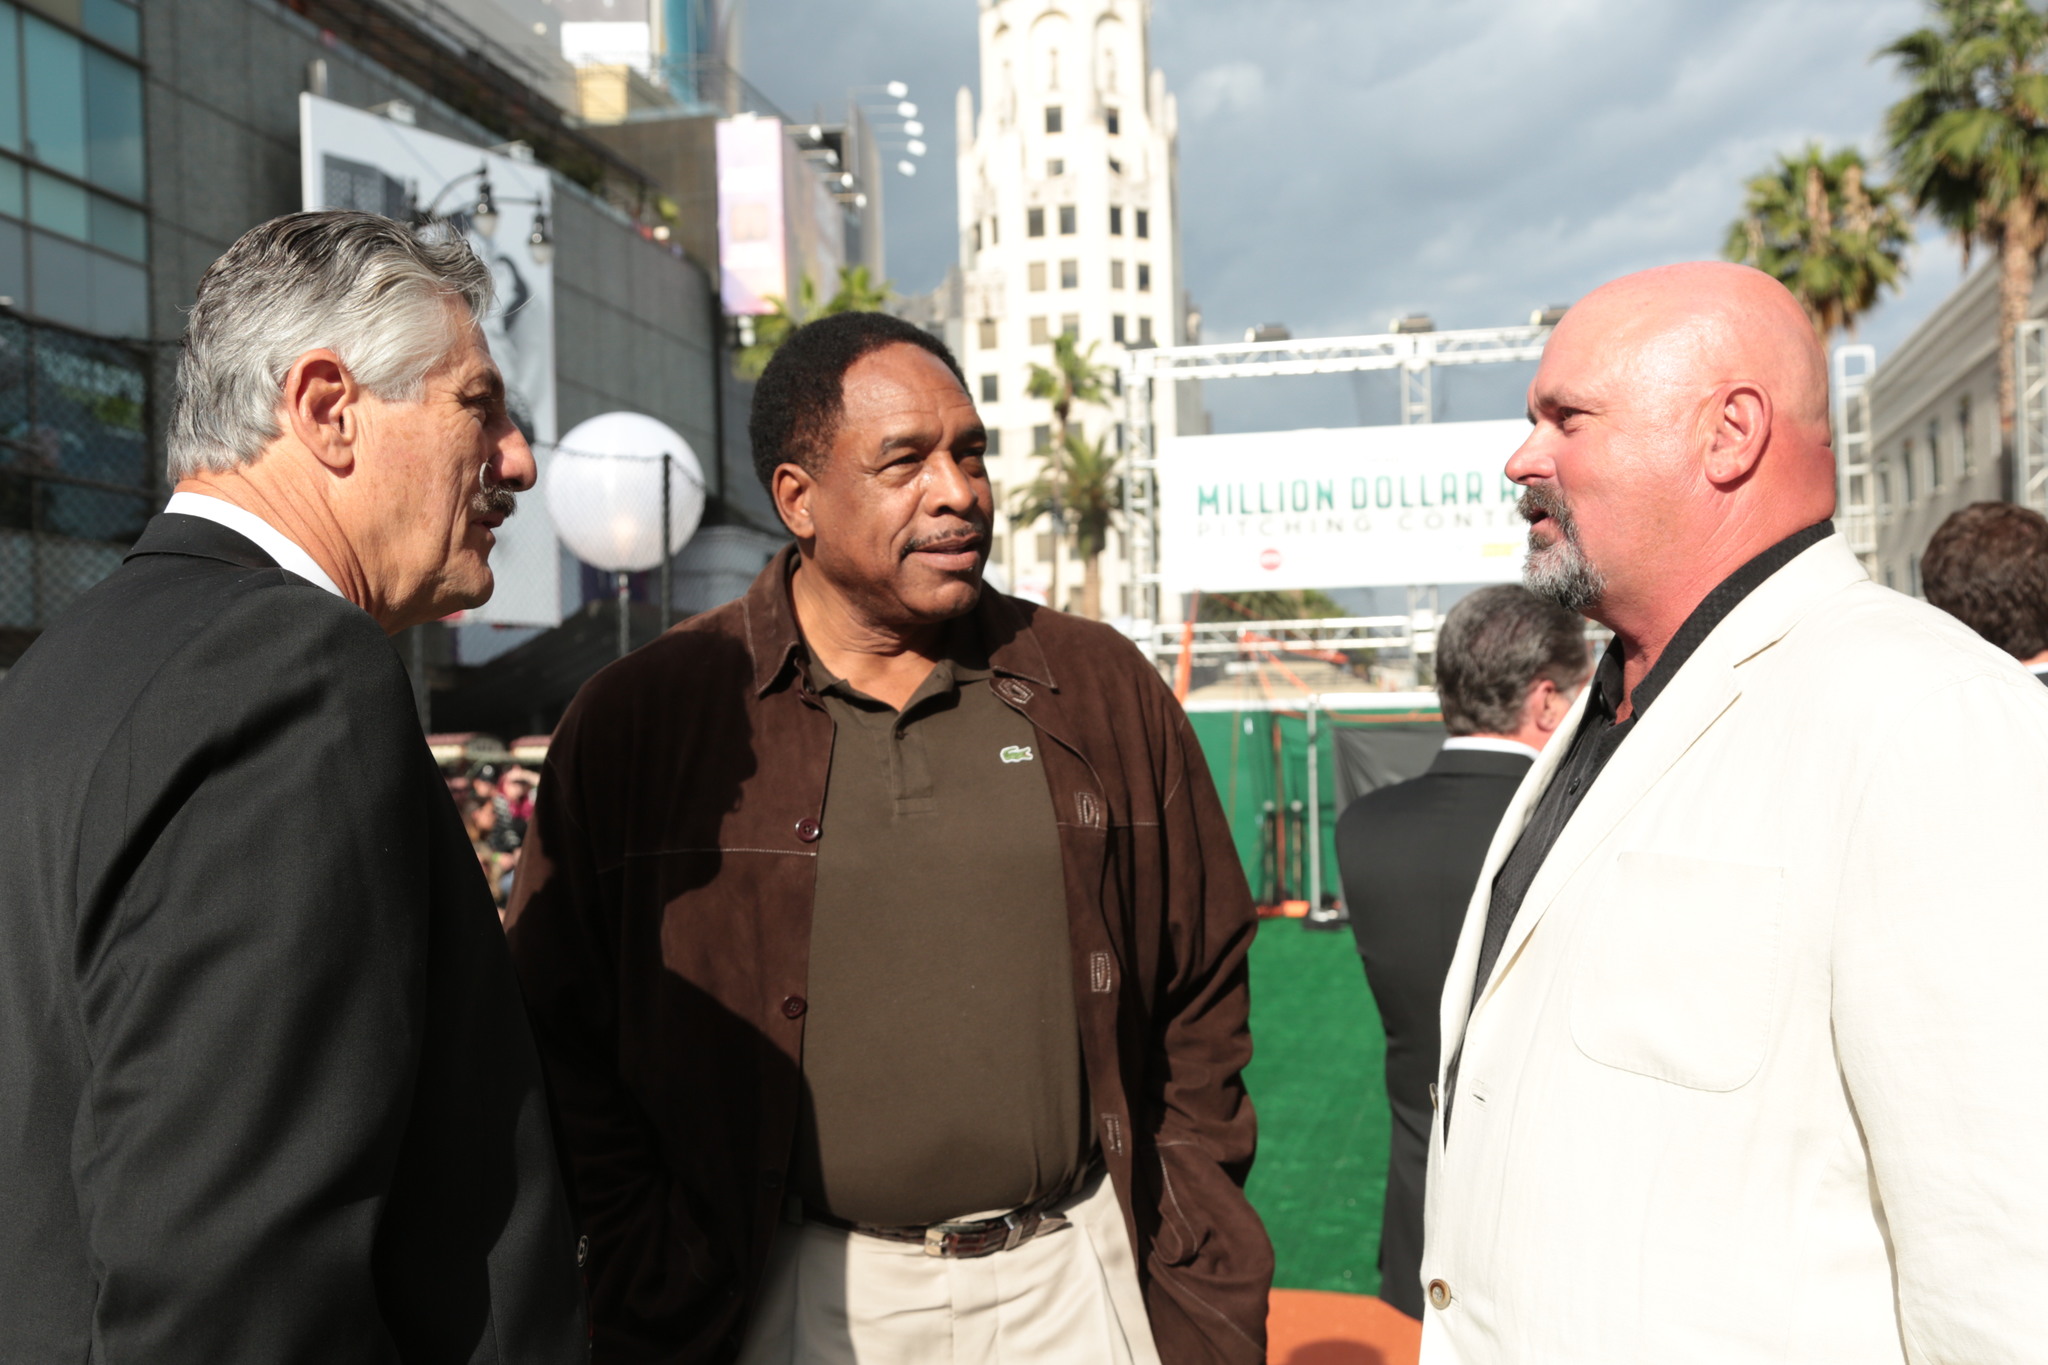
(2030, 415)
(1855, 495)
(1415, 354)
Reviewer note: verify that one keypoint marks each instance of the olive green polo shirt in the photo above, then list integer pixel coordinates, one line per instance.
(942, 1057)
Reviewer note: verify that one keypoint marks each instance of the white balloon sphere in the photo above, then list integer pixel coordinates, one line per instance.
(603, 491)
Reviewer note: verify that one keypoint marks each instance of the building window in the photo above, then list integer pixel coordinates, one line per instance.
(1041, 334)
(1034, 276)
(1884, 490)
(1933, 454)
(1116, 221)
(1144, 223)
(1144, 331)
(1068, 225)
(1045, 547)
(994, 235)
(1114, 122)
(1041, 441)
(990, 388)
(1144, 278)
(1907, 457)
(1913, 576)
(1055, 119)
(987, 330)
(1070, 325)
(1116, 327)
(1070, 274)
(993, 448)
(977, 236)
(1116, 274)
(1965, 457)
(1034, 223)
(1055, 167)
(76, 249)
(1115, 167)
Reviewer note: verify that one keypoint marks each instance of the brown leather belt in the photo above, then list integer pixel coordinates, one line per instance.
(963, 1241)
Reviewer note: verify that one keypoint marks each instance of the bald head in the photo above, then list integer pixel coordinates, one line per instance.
(1689, 328)
(1680, 428)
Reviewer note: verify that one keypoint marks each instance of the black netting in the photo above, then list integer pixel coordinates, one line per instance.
(76, 473)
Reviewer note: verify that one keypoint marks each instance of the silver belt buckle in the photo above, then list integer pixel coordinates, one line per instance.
(935, 1237)
(1016, 1231)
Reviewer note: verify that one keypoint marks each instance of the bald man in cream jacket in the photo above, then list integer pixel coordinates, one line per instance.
(1744, 1041)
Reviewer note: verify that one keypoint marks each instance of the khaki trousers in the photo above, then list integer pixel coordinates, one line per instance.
(1068, 1297)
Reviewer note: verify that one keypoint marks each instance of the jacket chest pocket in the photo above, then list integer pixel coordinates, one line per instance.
(1679, 970)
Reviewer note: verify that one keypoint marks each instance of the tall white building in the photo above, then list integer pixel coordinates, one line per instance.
(1069, 221)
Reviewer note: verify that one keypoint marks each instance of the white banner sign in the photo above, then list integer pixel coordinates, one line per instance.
(352, 159)
(1348, 507)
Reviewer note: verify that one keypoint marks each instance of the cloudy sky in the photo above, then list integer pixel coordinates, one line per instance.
(1345, 161)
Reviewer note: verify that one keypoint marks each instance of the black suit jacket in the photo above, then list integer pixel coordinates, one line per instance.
(1410, 855)
(267, 1088)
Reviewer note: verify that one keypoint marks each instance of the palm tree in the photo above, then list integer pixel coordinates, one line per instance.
(1816, 225)
(1970, 143)
(1086, 489)
(1073, 377)
(857, 293)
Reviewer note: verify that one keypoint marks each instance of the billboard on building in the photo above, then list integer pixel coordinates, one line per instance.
(753, 257)
(353, 159)
(1340, 508)
(779, 222)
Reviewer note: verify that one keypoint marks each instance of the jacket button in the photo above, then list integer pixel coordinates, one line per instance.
(793, 1006)
(808, 830)
(1439, 1294)
(582, 1251)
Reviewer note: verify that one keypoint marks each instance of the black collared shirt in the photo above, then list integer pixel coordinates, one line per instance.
(1600, 734)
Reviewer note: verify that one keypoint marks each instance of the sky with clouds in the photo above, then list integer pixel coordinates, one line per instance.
(1347, 161)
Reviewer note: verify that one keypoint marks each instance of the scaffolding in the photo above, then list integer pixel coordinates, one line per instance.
(1855, 493)
(1415, 354)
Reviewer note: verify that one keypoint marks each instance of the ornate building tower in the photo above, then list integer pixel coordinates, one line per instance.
(1069, 222)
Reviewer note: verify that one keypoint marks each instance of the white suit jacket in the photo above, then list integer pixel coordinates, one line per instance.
(1761, 1073)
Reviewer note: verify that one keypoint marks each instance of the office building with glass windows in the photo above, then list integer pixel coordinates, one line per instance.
(77, 479)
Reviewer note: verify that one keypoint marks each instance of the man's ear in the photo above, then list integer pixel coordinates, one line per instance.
(790, 487)
(1739, 427)
(323, 408)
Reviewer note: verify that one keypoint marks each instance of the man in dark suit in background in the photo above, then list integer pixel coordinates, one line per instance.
(1508, 664)
(1987, 566)
(267, 1084)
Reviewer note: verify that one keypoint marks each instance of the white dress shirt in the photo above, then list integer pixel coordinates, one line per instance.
(268, 538)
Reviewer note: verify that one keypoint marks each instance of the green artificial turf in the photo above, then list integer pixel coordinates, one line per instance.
(1317, 1079)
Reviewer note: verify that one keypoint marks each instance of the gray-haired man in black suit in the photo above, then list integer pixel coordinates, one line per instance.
(268, 1088)
(1508, 664)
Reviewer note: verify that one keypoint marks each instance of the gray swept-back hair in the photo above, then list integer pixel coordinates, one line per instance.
(372, 290)
(1494, 645)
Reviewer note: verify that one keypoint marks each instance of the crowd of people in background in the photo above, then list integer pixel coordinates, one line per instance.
(495, 802)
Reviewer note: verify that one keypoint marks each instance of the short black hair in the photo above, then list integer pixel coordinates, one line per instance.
(1494, 646)
(799, 399)
(1987, 566)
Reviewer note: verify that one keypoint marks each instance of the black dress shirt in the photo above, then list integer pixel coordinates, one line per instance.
(1598, 737)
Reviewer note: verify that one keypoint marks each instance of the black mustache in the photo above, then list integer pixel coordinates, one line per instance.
(978, 531)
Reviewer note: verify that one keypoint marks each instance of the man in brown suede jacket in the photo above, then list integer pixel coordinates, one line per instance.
(886, 943)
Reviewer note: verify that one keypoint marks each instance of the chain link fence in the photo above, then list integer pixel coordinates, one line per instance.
(77, 477)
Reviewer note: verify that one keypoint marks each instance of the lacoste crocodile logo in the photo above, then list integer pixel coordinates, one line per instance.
(1017, 753)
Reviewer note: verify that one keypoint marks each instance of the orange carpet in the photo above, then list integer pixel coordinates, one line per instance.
(1315, 1327)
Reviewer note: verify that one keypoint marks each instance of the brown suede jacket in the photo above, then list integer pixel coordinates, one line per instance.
(661, 928)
